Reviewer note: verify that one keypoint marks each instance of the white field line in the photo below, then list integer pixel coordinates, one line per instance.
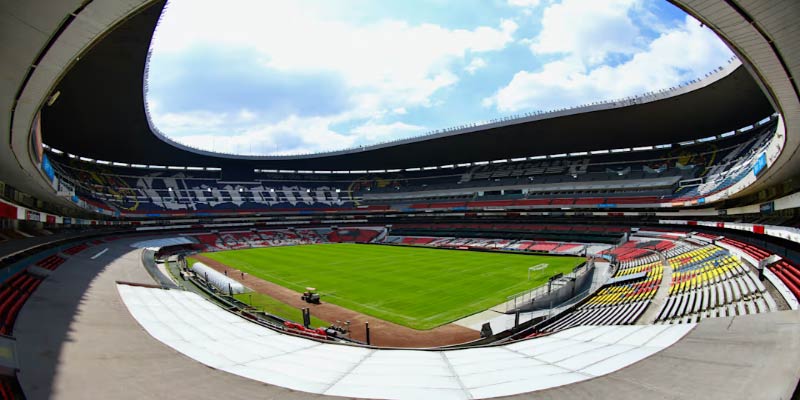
(100, 253)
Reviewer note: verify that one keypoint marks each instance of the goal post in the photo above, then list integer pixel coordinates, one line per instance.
(536, 268)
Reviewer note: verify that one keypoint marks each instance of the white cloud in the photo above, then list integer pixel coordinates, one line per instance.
(390, 68)
(223, 132)
(386, 64)
(677, 55)
(476, 64)
(523, 3)
(292, 135)
(375, 132)
(589, 30)
(246, 115)
(193, 121)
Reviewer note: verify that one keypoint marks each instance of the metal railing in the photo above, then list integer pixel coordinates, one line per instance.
(518, 300)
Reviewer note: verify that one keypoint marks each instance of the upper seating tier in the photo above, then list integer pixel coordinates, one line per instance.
(653, 176)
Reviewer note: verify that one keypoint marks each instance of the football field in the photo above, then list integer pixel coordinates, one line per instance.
(420, 288)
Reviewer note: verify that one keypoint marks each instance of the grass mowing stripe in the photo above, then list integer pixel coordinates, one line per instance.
(416, 287)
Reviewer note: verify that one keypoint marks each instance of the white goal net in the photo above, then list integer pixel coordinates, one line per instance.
(534, 270)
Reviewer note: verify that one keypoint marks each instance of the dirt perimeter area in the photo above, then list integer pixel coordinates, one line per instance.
(382, 333)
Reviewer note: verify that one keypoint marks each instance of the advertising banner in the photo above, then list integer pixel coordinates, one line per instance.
(48, 168)
(8, 211)
(761, 164)
(33, 216)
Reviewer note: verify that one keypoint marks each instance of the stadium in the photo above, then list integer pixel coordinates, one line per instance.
(558, 254)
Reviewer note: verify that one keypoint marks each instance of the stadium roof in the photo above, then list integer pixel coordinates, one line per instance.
(102, 102)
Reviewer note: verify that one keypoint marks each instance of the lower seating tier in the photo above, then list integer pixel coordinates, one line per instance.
(76, 249)
(789, 274)
(51, 263)
(13, 295)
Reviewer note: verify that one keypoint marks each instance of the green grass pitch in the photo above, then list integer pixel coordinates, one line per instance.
(278, 308)
(420, 288)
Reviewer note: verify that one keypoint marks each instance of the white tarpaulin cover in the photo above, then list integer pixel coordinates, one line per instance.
(202, 331)
(219, 280)
(155, 244)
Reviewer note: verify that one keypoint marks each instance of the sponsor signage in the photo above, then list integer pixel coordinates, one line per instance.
(761, 164)
(8, 211)
(48, 168)
(33, 216)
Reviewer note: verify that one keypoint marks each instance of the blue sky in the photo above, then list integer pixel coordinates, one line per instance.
(302, 76)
